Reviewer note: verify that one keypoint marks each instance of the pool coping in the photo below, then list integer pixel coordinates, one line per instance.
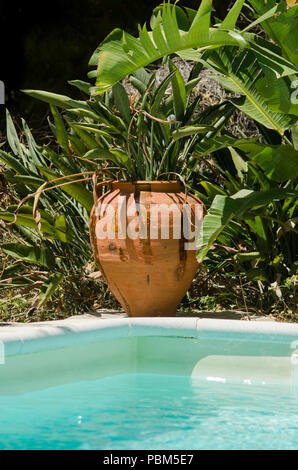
(36, 337)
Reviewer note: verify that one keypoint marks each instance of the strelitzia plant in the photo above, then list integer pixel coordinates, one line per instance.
(145, 136)
(243, 62)
(149, 134)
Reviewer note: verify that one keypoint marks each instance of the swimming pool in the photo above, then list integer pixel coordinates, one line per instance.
(155, 383)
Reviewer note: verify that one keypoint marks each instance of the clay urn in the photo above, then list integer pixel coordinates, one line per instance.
(143, 238)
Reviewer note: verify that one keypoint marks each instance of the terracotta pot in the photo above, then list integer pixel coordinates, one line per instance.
(150, 274)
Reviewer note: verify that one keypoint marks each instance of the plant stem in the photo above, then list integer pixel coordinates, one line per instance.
(151, 152)
(164, 157)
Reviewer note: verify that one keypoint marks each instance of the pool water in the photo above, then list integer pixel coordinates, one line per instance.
(151, 411)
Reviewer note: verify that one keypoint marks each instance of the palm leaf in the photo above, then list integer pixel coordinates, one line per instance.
(249, 145)
(241, 69)
(30, 254)
(225, 208)
(120, 54)
(278, 163)
(282, 28)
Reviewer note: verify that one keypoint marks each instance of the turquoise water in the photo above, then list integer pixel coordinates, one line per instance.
(143, 411)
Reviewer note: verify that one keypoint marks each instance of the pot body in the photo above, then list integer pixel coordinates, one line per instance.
(137, 233)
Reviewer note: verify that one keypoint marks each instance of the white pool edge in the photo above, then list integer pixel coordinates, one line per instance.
(60, 334)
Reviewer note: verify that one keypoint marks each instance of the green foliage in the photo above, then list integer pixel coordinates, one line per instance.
(172, 30)
(262, 74)
(244, 63)
(141, 139)
(55, 238)
(283, 30)
(147, 138)
(248, 184)
(258, 192)
(30, 254)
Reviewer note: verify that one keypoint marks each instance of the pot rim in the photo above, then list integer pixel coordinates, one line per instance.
(157, 186)
(143, 185)
(146, 182)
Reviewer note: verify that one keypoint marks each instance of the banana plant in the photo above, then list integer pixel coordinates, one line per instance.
(173, 29)
(260, 75)
(243, 62)
(281, 95)
(258, 197)
(283, 29)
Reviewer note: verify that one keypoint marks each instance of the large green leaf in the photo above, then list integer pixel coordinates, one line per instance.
(269, 56)
(278, 93)
(225, 208)
(249, 145)
(140, 80)
(282, 28)
(240, 164)
(241, 70)
(211, 189)
(278, 164)
(99, 154)
(27, 220)
(122, 102)
(191, 130)
(81, 85)
(47, 226)
(229, 22)
(61, 134)
(179, 92)
(61, 101)
(30, 254)
(120, 54)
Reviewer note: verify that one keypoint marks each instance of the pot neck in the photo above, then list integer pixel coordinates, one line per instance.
(150, 186)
